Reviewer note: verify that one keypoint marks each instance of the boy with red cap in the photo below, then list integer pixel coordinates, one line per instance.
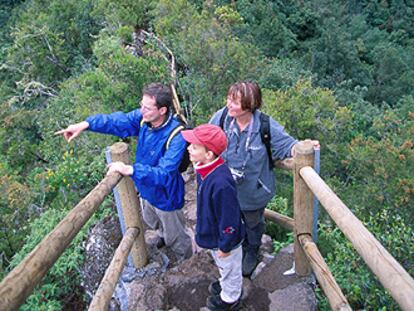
(219, 226)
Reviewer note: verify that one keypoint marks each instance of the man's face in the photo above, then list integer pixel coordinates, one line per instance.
(150, 112)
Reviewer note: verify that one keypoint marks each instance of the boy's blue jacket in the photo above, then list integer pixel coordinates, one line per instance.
(156, 174)
(219, 224)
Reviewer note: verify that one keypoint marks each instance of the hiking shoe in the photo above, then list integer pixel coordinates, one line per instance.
(160, 242)
(214, 303)
(214, 288)
(249, 263)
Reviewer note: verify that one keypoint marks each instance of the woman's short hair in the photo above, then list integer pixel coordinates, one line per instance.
(250, 95)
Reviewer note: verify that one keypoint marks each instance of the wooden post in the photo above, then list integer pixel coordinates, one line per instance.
(389, 272)
(104, 293)
(19, 283)
(331, 289)
(302, 204)
(131, 207)
(282, 220)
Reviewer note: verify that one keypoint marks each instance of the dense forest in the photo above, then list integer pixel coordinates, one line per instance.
(338, 71)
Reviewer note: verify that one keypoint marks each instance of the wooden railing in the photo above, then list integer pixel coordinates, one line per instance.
(19, 283)
(307, 256)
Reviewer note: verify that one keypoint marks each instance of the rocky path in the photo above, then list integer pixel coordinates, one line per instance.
(165, 284)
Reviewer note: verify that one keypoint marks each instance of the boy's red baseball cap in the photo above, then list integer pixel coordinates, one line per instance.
(209, 135)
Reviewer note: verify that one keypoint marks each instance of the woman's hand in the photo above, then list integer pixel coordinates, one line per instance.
(315, 144)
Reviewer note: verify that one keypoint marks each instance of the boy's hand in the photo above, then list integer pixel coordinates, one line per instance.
(121, 168)
(221, 254)
(73, 131)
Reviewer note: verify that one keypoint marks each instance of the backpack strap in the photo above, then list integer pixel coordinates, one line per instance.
(174, 132)
(266, 136)
(185, 160)
(141, 123)
(223, 117)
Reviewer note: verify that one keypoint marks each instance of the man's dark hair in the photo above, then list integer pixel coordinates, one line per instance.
(161, 93)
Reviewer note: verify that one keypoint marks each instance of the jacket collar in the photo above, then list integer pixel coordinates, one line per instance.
(206, 169)
(163, 124)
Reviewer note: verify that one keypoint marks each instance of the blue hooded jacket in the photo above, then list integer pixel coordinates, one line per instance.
(156, 174)
(219, 224)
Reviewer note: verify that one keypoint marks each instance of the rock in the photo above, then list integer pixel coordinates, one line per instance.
(287, 292)
(147, 296)
(183, 287)
(102, 240)
(272, 277)
(254, 298)
(267, 244)
(188, 282)
(296, 297)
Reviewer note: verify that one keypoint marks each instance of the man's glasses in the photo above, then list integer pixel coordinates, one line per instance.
(147, 108)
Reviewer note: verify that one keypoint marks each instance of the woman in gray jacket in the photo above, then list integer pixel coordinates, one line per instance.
(249, 161)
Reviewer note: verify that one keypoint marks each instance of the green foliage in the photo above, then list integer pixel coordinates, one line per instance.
(212, 57)
(379, 167)
(394, 73)
(51, 41)
(14, 198)
(133, 13)
(281, 237)
(63, 277)
(279, 205)
(227, 15)
(126, 74)
(337, 71)
(362, 290)
(282, 73)
(308, 112)
(266, 25)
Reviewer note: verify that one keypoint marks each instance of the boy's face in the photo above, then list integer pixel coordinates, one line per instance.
(200, 154)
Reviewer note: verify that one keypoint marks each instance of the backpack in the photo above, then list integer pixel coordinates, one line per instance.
(264, 133)
(185, 160)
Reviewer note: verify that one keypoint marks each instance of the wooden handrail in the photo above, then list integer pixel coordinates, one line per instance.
(19, 283)
(286, 164)
(390, 273)
(103, 294)
(331, 289)
(282, 220)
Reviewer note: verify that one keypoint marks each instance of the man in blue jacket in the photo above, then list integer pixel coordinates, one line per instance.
(155, 171)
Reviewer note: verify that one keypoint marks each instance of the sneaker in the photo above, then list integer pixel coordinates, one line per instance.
(214, 303)
(214, 288)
